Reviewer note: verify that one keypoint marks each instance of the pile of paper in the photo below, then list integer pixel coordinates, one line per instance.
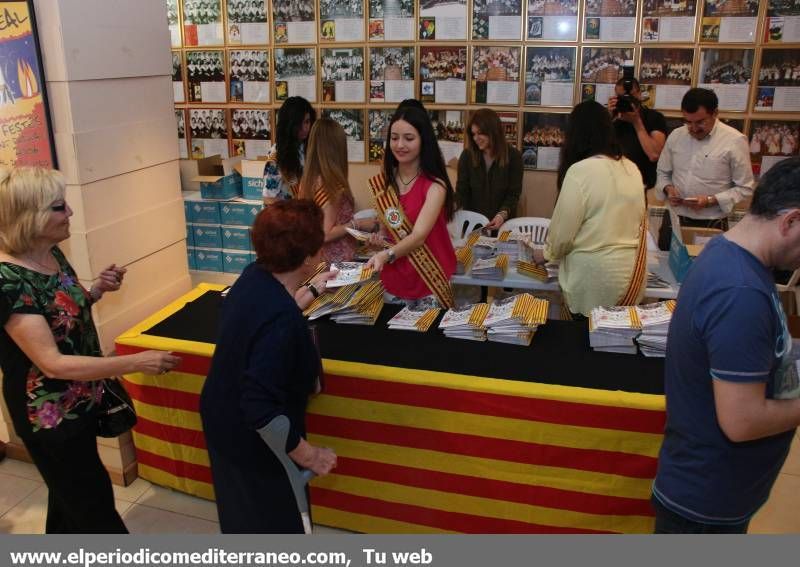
(528, 267)
(654, 319)
(466, 322)
(348, 273)
(612, 329)
(514, 320)
(510, 243)
(482, 246)
(490, 268)
(413, 318)
(463, 260)
(363, 307)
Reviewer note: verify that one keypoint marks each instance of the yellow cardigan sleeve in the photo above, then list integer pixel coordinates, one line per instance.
(567, 218)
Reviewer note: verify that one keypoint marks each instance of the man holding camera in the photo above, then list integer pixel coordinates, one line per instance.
(640, 131)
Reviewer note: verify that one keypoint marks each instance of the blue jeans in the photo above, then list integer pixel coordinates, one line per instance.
(668, 522)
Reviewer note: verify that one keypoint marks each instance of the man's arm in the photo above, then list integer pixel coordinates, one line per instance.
(741, 177)
(652, 142)
(664, 167)
(744, 413)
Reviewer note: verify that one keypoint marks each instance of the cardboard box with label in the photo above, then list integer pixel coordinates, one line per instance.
(239, 213)
(233, 262)
(207, 236)
(208, 260)
(236, 238)
(686, 247)
(252, 172)
(219, 178)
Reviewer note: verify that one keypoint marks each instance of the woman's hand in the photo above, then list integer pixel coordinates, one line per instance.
(496, 222)
(155, 362)
(377, 240)
(367, 225)
(322, 461)
(109, 279)
(538, 256)
(379, 260)
(320, 280)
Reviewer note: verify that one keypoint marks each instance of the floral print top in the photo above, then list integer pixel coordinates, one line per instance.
(39, 405)
(275, 186)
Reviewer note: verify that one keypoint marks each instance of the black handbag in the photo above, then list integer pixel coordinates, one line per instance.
(115, 414)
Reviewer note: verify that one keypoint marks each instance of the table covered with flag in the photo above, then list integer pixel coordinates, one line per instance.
(433, 434)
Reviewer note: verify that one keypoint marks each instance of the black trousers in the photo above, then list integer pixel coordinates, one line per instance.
(665, 233)
(80, 499)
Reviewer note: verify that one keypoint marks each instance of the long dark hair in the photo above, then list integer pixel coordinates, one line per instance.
(589, 132)
(431, 161)
(290, 118)
(488, 123)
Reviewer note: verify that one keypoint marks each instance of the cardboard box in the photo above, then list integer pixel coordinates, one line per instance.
(233, 262)
(218, 179)
(252, 172)
(190, 258)
(236, 238)
(253, 257)
(204, 212)
(207, 236)
(695, 238)
(239, 213)
(189, 234)
(208, 260)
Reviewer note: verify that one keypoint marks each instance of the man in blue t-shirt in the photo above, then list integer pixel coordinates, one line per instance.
(733, 398)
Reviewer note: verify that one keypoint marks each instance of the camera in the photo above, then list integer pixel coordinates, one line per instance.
(627, 102)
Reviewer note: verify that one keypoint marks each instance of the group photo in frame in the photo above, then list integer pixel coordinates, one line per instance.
(343, 74)
(543, 135)
(495, 74)
(443, 74)
(552, 20)
(352, 122)
(550, 75)
(248, 22)
(668, 20)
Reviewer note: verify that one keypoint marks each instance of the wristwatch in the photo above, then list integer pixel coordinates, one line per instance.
(313, 289)
(392, 256)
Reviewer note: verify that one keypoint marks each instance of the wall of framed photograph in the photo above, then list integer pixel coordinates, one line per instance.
(530, 60)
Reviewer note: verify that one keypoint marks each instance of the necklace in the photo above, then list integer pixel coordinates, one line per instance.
(407, 183)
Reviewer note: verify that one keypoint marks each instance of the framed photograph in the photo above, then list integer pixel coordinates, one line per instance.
(497, 19)
(391, 20)
(510, 123)
(248, 70)
(173, 21)
(542, 138)
(552, 20)
(178, 77)
(208, 128)
(729, 21)
(495, 75)
(772, 141)
(443, 74)
(202, 23)
(601, 67)
(391, 74)
(443, 20)
(206, 75)
(251, 132)
(294, 21)
(296, 73)
(449, 127)
(783, 21)
(352, 121)
(180, 121)
(549, 75)
(666, 74)
(669, 21)
(341, 20)
(248, 23)
(343, 74)
(610, 20)
(378, 121)
(27, 137)
(779, 81)
(727, 72)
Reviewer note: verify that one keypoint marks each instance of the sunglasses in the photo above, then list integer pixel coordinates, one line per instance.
(58, 208)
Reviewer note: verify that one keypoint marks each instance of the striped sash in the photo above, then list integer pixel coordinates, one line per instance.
(422, 259)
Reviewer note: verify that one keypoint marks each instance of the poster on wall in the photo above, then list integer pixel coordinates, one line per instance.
(180, 121)
(449, 128)
(177, 77)
(294, 21)
(510, 123)
(341, 20)
(174, 23)
(247, 22)
(771, 142)
(497, 19)
(208, 128)
(352, 122)
(443, 74)
(250, 132)
(391, 74)
(495, 75)
(669, 20)
(552, 20)
(779, 81)
(202, 23)
(783, 21)
(27, 136)
(343, 74)
(378, 121)
(445, 20)
(727, 72)
(295, 73)
(666, 74)
(549, 76)
(610, 20)
(729, 21)
(542, 137)
(206, 75)
(391, 20)
(248, 70)
(601, 67)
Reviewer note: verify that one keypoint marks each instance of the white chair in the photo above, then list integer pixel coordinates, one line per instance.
(537, 227)
(465, 222)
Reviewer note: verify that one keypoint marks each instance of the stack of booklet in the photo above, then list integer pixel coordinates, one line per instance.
(527, 267)
(514, 320)
(353, 304)
(466, 322)
(414, 318)
(463, 260)
(490, 268)
(612, 329)
(482, 246)
(348, 273)
(510, 243)
(654, 318)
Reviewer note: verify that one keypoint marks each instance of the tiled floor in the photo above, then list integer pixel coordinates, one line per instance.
(151, 509)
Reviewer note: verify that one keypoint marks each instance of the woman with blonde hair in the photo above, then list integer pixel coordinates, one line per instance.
(325, 182)
(50, 352)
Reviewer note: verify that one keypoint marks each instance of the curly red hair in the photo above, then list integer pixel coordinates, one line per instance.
(285, 233)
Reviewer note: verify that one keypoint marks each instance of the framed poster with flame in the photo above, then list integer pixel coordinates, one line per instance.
(26, 136)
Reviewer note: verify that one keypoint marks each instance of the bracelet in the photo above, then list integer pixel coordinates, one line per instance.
(312, 288)
(391, 256)
(95, 294)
